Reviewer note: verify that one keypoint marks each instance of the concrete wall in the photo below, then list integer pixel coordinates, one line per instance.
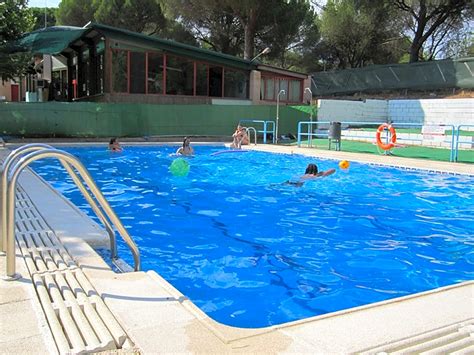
(438, 111)
(88, 119)
(345, 110)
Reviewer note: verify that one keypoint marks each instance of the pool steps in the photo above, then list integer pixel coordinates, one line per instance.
(51, 253)
(78, 318)
(453, 339)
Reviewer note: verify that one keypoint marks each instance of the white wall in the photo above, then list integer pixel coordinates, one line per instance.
(439, 111)
(346, 110)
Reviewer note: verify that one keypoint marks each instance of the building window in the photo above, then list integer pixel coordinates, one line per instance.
(137, 73)
(271, 86)
(119, 71)
(84, 73)
(202, 79)
(155, 73)
(295, 90)
(179, 76)
(215, 81)
(236, 84)
(283, 86)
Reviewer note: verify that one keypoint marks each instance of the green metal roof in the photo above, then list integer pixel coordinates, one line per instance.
(173, 47)
(49, 40)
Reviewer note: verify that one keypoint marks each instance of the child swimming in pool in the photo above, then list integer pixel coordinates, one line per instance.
(310, 174)
(114, 145)
(186, 149)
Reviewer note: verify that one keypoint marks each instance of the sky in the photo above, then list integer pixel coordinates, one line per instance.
(43, 3)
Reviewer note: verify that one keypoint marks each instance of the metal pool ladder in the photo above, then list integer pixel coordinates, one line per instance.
(36, 151)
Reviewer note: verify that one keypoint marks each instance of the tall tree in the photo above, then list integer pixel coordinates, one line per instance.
(134, 15)
(39, 17)
(215, 27)
(428, 18)
(285, 34)
(360, 32)
(219, 24)
(15, 19)
(75, 12)
(250, 13)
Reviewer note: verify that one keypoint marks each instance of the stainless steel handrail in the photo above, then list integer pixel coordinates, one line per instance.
(5, 168)
(40, 146)
(458, 130)
(75, 163)
(249, 129)
(395, 124)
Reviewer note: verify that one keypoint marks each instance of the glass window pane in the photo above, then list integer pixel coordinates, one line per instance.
(215, 81)
(284, 86)
(179, 76)
(137, 73)
(295, 91)
(155, 73)
(236, 84)
(119, 71)
(270, 89)
(201, 79)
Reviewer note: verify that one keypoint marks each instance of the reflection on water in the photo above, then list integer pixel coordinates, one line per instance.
(251, 251)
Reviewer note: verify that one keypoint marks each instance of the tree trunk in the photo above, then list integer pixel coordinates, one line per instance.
(249, 31)
(415, 50)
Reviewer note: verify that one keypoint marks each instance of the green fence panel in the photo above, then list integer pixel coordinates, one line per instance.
(87, 119)
(415, 76)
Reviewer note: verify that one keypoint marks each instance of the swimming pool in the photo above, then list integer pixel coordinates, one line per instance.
(252, 252)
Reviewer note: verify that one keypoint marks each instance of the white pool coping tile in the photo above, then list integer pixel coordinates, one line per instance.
(158, 318)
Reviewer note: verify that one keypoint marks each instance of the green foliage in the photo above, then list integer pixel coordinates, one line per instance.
(135, 15)
(76, 12)
(38, 14)
(357, 32)
(433, 23)
(15, 19)
(245, 27)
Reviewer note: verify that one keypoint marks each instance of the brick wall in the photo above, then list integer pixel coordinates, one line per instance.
(437, 111)
(345, 110)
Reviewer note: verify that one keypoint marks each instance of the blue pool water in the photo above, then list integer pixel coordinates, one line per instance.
(253, 252)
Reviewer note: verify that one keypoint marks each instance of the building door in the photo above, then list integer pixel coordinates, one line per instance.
(15, 89)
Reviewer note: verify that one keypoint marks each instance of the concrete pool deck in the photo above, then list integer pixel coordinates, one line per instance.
(156, 318)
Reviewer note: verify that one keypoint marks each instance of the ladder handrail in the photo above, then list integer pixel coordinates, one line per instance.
(5, 168)
(75, 163)
(40, 146)
(248, 129)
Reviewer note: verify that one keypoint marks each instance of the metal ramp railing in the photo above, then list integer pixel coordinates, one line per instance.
(34, 152)
(252, 129)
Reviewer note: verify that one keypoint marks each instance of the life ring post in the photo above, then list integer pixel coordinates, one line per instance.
(393, 138)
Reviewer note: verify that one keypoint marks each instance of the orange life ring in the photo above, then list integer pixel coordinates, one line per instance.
(393, 140)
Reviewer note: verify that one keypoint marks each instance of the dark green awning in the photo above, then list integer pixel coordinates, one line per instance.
(49, 40)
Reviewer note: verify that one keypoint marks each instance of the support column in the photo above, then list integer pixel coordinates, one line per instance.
(70, 70)
(254, 86)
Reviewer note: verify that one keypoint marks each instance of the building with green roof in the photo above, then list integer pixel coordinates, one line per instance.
(108, 64)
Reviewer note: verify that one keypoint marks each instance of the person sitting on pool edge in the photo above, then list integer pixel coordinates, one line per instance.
(186, 149)
(240, 137)
(114, 145)
(310, 173)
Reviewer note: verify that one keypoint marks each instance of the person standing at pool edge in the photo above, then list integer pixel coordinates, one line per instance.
(114, 145)
(186, 149)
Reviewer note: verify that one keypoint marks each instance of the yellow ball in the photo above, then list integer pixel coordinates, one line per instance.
(344, 164)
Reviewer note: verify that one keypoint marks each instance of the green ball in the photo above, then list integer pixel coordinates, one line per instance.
(179, 167)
